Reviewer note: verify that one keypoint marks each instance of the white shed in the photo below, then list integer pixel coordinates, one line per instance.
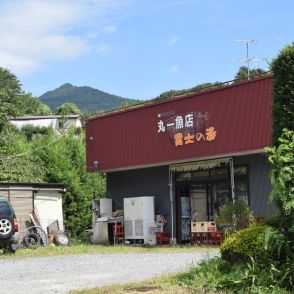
(42, 201)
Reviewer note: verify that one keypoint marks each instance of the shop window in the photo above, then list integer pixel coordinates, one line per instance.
(241, 183)
(219, 173)
(241, 170)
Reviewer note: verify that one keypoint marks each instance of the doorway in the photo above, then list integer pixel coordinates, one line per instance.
(199, 195)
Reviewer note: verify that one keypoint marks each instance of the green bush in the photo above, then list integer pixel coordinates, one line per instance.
(219, 276)
(234, 216)
(245, 244)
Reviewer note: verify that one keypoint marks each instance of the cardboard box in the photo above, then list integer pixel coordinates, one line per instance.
(200, 227)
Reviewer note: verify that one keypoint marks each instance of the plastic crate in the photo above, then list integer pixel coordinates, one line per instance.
(162, 238)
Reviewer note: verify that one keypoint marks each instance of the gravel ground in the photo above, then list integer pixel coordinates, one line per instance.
(61, 274)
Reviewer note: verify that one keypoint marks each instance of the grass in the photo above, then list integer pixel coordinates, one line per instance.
(103, 249)
(160, 285)
(211, 276)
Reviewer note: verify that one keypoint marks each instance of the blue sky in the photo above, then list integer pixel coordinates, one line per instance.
(137, 48)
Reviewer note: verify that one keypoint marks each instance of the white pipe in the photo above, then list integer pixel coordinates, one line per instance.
(232, 178)
(171, 204)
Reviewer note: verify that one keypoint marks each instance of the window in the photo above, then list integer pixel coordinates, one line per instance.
(219, 173)
(241, 183)
(4, 208)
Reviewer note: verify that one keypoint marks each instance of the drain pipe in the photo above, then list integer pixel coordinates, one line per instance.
(232, 179)
(171, 205)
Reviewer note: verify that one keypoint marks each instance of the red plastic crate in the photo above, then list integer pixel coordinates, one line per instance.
(216, 238)
(162, 238)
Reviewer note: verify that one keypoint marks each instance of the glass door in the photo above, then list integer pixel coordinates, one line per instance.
(199, 209)
(185, 219)
(220, 193)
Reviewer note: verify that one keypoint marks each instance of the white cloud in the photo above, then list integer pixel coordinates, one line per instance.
(103, 49)
(109, 29)
(173, 40)
(19, 64)
(33, 32)
(174, 69)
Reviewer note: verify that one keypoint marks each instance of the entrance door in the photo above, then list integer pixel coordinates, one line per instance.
(220, 194)
(183, 213)
(199, 196)
(199, 208)
(192, 205)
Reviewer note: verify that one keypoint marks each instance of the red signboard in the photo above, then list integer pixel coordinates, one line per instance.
(233, 119)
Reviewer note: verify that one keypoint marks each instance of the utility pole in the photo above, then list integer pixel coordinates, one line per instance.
(247, 59)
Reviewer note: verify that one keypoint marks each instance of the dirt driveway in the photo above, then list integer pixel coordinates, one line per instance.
(60, 274)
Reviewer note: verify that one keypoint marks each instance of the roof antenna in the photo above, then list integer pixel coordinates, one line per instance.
(248, 59)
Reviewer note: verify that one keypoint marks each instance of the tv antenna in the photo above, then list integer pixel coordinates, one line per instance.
(248, 59)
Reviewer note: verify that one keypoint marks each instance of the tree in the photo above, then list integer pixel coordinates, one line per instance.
(282, 159)
(128, 104)
(65, 161)
(14, 102)
(39, 155)
(283, 92)
(242, 73)
(29, 105)
(185, 91)
(67, 109)
(10, 89)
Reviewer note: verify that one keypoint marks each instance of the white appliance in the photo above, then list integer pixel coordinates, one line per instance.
(139, 219)
(105, 207)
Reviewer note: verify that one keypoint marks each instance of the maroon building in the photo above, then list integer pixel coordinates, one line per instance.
(193, 152)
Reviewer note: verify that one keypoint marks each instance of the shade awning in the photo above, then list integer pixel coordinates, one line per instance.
(198, 165)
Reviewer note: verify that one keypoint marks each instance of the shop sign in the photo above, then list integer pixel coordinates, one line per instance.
(187, 128)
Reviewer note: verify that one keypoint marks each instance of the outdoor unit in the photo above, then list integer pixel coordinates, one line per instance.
(139, 219)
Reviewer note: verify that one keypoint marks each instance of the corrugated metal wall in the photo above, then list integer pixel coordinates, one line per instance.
(154, 181)
(259, 183)
(141, 182)
(22, 203)
(240, 114)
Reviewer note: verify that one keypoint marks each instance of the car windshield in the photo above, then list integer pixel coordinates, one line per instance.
(5, 208)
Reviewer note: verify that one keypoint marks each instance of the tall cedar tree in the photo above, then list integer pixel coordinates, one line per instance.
(283, 91)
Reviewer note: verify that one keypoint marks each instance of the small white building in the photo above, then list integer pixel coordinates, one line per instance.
(57, 122)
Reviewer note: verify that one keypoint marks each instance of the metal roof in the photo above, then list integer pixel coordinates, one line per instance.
(239, 113)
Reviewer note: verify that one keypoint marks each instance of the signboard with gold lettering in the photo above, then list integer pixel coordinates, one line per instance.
(188, 128)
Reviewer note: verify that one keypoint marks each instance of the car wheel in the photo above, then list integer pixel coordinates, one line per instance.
(31, 240)
(61, 239)
(6, 227)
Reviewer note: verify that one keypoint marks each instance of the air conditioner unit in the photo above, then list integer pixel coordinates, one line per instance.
(139, 219)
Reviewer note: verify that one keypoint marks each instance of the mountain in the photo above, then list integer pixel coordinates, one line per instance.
(86, 98)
